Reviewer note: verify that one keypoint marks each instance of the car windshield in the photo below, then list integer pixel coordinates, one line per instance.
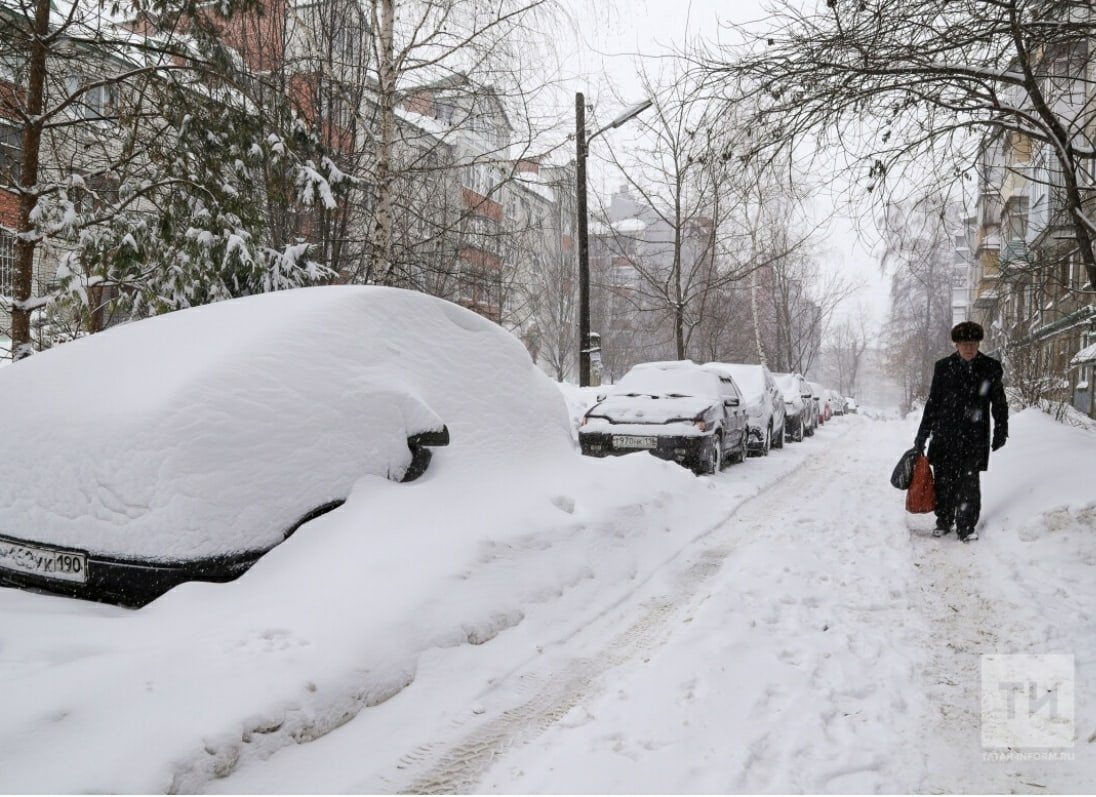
(750, 379)
(668, 383)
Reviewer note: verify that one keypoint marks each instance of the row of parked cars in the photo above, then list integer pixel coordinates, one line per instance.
(705, 417)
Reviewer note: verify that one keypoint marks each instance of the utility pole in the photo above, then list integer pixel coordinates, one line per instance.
(581, 143)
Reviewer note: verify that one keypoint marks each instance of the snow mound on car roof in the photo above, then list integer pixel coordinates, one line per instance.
(212, 430)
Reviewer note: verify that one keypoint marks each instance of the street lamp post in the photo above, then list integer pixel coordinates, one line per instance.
(581, 144)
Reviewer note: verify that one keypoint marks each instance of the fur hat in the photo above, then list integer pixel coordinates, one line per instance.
(966, 332)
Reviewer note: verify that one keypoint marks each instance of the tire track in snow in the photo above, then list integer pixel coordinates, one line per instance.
(459, 767)
(450, 768)
(553, 695)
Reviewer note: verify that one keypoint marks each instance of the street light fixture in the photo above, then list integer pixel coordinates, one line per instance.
(581, 144)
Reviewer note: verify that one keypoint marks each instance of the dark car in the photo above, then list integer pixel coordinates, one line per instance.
(800, 411)
(184, 447)
(675, 410)
(764, 403)
(822, 411)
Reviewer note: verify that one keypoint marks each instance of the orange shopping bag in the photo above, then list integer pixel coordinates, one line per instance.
(921, 495)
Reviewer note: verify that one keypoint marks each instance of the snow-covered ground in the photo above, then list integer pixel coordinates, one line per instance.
(596, 626)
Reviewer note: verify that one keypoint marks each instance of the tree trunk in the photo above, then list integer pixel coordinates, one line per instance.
(381, 266)
(25, 246)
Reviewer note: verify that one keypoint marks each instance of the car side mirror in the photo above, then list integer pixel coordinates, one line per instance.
(731, 402)
(434, 437)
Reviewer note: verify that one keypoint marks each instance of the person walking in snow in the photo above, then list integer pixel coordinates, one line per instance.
(967, 387)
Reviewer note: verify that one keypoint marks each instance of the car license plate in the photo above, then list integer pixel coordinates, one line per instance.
(46, 562)
(634, 441)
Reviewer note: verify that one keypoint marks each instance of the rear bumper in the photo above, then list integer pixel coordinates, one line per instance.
(691, 452)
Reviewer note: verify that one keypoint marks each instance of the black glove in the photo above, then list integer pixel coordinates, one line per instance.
(999, 438)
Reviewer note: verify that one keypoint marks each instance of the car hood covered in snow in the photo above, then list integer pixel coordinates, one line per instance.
(643, 408)
(211, 431)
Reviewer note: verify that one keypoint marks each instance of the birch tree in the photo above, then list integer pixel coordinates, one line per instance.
(466, 74)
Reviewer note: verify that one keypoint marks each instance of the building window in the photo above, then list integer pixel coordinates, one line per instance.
(443, 111)
(7, 263)
(349, 32)
(13, 68)
(1016, 217)
(11, 146)
(97, 102)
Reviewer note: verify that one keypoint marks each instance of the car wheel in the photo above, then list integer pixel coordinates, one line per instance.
(420, 461)
(713, 458)
(716, 461)
(797, 436)
(778, 439)
(768, 441)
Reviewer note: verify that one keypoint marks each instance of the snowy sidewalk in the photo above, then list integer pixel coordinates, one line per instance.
(840, 648)
(798, 668)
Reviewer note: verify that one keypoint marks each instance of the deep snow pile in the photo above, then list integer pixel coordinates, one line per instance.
(570, 624)
(215, 429)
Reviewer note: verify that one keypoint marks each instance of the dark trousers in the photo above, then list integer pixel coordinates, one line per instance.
(958, 494)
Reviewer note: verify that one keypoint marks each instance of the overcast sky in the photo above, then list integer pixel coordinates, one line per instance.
(611, 40)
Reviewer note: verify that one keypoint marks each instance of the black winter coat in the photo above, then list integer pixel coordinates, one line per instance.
(962, 397)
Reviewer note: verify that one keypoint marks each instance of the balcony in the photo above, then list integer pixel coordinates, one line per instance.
(985, 297)
(1015, 254)
(989, 238)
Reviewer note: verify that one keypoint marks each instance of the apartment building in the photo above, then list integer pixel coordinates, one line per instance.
(1029, 287)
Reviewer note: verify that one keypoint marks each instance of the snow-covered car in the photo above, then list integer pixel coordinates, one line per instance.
(818, 401)
(837, 402)
(764, 405)
(823, 399)
(184, 447)
(799, 407)
(822, 402)
(676, 410)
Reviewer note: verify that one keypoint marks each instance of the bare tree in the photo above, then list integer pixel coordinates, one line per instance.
(919, 255)
(802, 300)
(897, 83)
(847, 341)
(695, 214)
